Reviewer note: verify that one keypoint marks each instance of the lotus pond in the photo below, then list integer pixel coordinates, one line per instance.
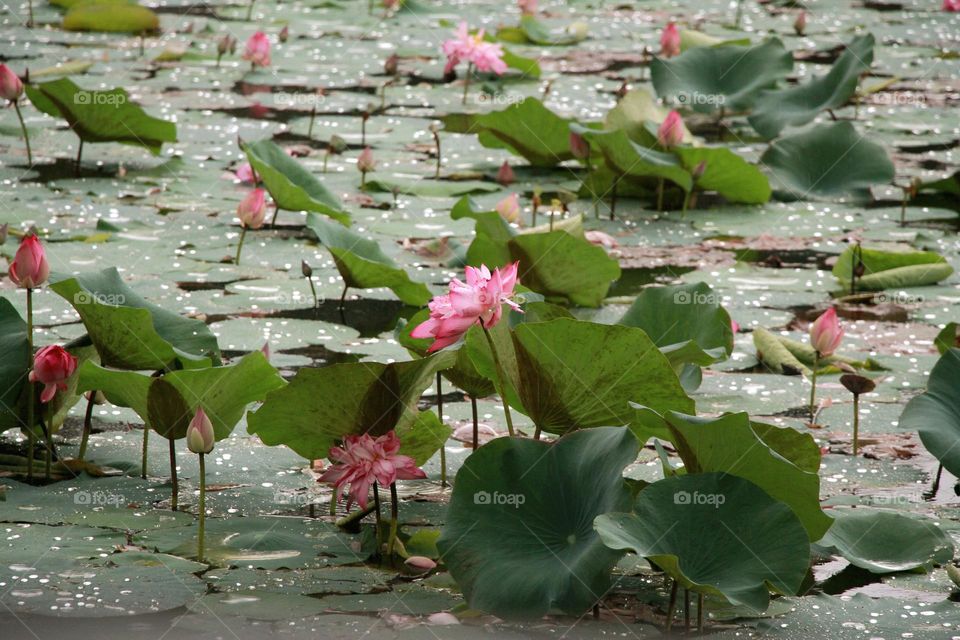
(424, 319)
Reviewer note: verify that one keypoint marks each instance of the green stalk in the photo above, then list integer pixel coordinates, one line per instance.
(23, 127)
(87, 426)
(476, 423)
(443, 447)
(250, 10)
(30, 387)
(313, 290)
(394, 518)
(243, 235)
(856, 422)
(671, 606)
(501, 379)
(203, 507)
(143, 453)
(660, 195)
(466, 84)
(376, 503)
(175, 485)
(813, 386)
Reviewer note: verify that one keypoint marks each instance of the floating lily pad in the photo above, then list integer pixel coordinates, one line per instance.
(519, 538)
(111, 18)
(431, 188)
(828, 161)
(101, 116)
(686, 523)
(534, 31)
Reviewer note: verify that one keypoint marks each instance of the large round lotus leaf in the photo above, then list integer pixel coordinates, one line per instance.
(887, 541)
(707, 79)
(828, 161)
(715, 533)
(519, 538)
(935, 414)
(573, 374)
(14, 362)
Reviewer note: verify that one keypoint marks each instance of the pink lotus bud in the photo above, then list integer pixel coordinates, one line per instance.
(670, 41)
(734, 326)
(365, 161)
(29, 268)
(699, 170)
(52, 367)
(200, 435)
(952, 6)
(253, 209)
(257, 50)
(670, 133)
(420, 563)
(265, 350)
(800, 24)
(10, 86)
(509, 208)
(579, 146)
(226, 44)
(527, 7)
(506, 176)
(601, 239)
(391, 65)
(391, 5)
(284, 34)
(826, 333)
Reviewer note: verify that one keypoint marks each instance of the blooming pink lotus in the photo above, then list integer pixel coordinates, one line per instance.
(478, 300)
(253, 209)
(826, 333)
(953, 6)
(29, 268)
(670, 41)
(10, 86)
(364, 460)
(670, 133)
(472, 49)
(52, 367)
(257, 50)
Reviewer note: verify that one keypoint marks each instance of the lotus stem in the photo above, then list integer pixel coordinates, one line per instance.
(343, 297)
(202, 506)
(613, 197)
(394, 518)
(660, 195)
(250, 10)
(30, 387)
(443, 447)
(436, 141)
(144, 454)
(363, 180)
(700, 613)
(936, 481)
(376, 503)
(23, 127)
(243, 235)
(466, 83)
(359, 514)
(686, 610)
(313, 291)
(87, 426)
(313, 115)
(30, 14)
(76, 169)
(671, 606)
(273, 220)
(48, 449)
(501, 381)
(813, 387)
(856, 422)
(476, 423)
(174, 484)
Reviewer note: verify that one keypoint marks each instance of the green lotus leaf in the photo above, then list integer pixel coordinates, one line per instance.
(14, 363)
(891, 269)
(519, 537)
(716, 534)
(114, 17)
(363, 265)
(534, 31)
(935, 413)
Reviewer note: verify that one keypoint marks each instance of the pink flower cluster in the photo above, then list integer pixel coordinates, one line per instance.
(485, 56)
(365, 460)
(479, 299)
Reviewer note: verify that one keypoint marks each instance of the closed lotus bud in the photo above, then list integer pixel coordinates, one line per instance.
(253, 209)
(265, 350)
(509, 208)
(800, 24)
(29, 268)
(10, 86)
(579, 146)
(527, 7)
(420, 563)
(699, 170)
(366, 161)
(505, 174)
(391, 65)
(306, 269)
(337, 144)
(670, 133)
(223, 44)
(826, 333)
(284, 34)
(200, 435)
(52, 367)
(670, 41)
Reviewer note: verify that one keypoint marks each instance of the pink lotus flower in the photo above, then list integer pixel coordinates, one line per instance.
(420, 563)
(29, 268)
(670, 133)
(200, 434)
(579, 146)
(509, 208)
(52, 367)
(253, 209)
(478, 300)
(245, 173)
(952, 6)
(800, 24)
(257, 50)
(601, 239)
(527, 7)
(366, 161)
(826, 333)
(485, 56)
(10, 86)
(670, 41)
(505, 174)
(364, 460)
